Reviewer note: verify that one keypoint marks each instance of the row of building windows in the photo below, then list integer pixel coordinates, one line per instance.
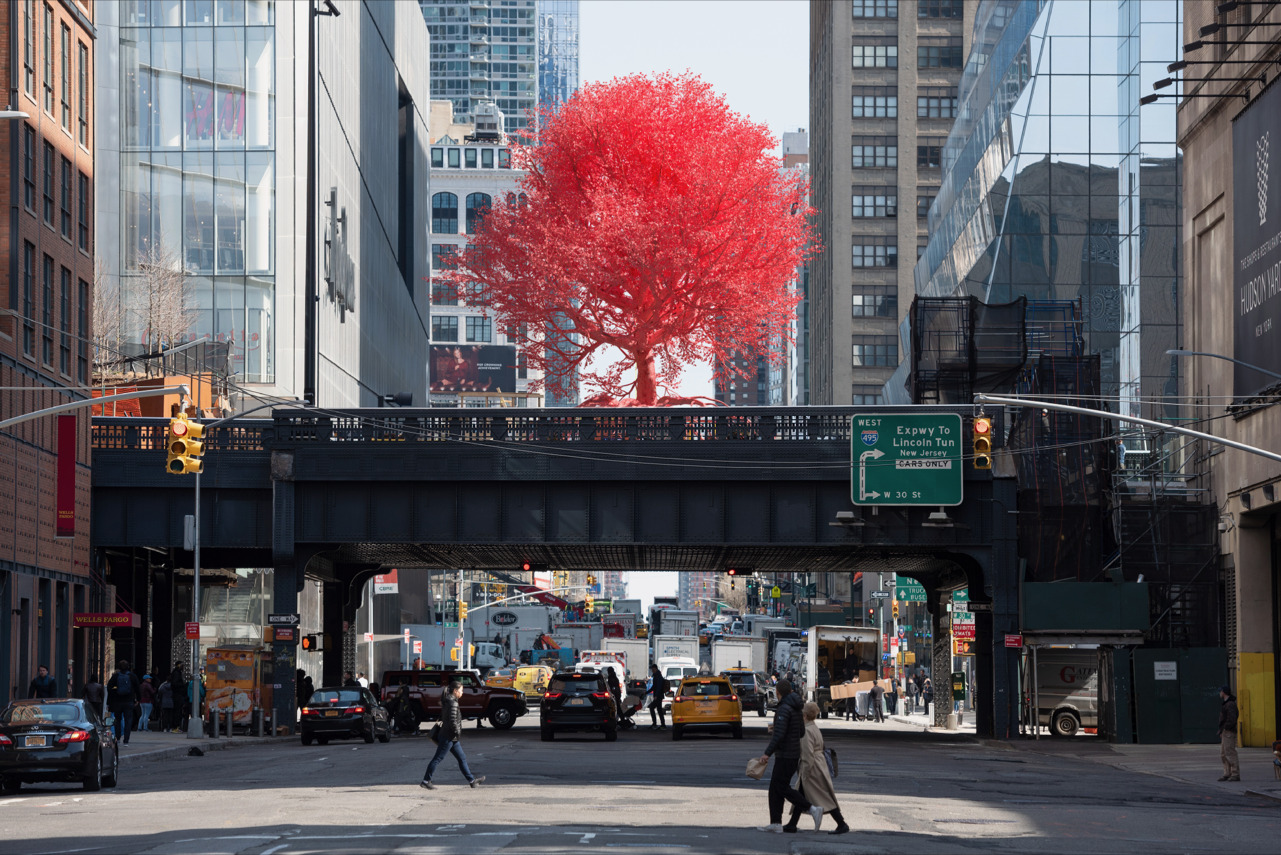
(931, 52)
(864, 394)
(924, 8)
(444, 212)
(56, 177)
(874, 202)
(196, 13)
(45, 331)
(877, 301)
(444, 328)
(470, 157)
(874, 351)
(55, 42)
(875, 251)
(881, 102)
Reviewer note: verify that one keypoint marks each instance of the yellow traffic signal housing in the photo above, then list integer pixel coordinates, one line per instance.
(982, 442)
(895, 610)
(462, 611)
(185, 447)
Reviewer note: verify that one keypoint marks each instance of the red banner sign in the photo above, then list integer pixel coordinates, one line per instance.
(130, 619)
(964, 632)
(66, 477)
(193, 630)
(1014, 641)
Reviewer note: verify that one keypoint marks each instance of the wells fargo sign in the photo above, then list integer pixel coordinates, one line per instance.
(130, 619)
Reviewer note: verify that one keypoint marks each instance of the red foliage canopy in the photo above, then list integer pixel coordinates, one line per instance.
(658, 223)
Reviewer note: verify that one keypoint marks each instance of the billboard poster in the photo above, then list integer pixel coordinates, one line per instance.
(1256, 243)
(65, 526)
(473, 368)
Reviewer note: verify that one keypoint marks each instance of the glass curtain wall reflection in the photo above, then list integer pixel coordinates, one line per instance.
(1057, 187)
(198, 168)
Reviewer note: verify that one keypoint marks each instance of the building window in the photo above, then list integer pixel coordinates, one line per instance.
(48, 183)
(874, 202)
(504, 158)
(936, 103)
(863, 394)
(444, 328)
(29, 168)
(930, 155)
(46, 332)
(437, 158)
(454, 161)
(487, 158)
(444, 214)
(875, 55)
(48, 59)
(83, 232)
(444, 293)
(443, 256)
(66, 198)
(64, 348)
(868, 152)
(874, 351)
(875, 302)
(939, 52)
(940, 9)
(875, 102)
(82, 362)
(480, 329)
(871, 251)
(477, 205)
(83, 58)
(65, 90)
(469, 158)
(28, 298)
(875, 8)
(923, 203)
(29, 48)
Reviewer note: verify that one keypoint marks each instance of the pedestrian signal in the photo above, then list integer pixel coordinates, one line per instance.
(311, 642)
(185, 447)
(982, 442)
(962, 648)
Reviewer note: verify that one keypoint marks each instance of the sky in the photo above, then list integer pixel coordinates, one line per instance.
(753, 52)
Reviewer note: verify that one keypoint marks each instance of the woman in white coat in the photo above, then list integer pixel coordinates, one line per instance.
(816, 780)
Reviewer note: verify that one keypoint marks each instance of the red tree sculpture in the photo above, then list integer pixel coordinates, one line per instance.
(657, 222)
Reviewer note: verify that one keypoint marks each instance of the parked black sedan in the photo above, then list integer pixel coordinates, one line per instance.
(45, 740)
(343, 712)
(578, 700)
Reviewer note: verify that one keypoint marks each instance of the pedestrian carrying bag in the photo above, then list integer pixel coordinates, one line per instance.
(435, 732)
(833, 768)
(756, 768)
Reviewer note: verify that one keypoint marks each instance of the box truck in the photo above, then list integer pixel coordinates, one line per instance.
(833, 647)
(738, 651)
(673, 622)
(582, 636)
(619, 625)
(635, 655)
(675, 647)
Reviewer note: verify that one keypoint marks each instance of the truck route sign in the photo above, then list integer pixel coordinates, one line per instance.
(906, 459)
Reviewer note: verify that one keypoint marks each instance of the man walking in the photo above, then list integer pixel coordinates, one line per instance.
(1228, 715)
(43, 686)
(122, 694)
(451, 728)
(658, 687)
(874, 701)
(788, 730)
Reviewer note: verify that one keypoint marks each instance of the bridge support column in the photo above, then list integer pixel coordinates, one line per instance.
(333, 618)
(1002, 665)
(287, 580)
(941, 665)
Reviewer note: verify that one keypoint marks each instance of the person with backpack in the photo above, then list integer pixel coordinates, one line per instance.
(122, 694)
(658, 686)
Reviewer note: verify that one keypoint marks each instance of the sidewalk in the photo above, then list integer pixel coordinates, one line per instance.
(154, 745)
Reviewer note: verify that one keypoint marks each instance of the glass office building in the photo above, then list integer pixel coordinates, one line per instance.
(557, 51)
(197, 169)
(1057, 186)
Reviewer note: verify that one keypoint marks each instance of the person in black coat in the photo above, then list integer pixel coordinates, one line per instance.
(451, 729)
(785, 744)
(44, 685)
(122, 694)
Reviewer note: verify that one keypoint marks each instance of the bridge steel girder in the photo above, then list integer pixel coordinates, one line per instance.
(337, 495)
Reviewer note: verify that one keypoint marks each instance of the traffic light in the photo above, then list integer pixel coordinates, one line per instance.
(732, 573)
(982, 442)
(895, 609)
(962, 648)
(311, 643)
(184, 446)
(462, 610)
(871, 615)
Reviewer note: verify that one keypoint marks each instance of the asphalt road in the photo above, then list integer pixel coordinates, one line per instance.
(902, 791)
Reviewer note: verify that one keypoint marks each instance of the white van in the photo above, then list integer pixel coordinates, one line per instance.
(675, 670)
(1066, 693)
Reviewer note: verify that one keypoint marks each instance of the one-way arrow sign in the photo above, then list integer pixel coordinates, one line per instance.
(283, 620)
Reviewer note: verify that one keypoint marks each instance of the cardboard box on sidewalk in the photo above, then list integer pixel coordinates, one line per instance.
(841, 691)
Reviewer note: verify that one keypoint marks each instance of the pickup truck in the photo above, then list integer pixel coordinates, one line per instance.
(501, 706)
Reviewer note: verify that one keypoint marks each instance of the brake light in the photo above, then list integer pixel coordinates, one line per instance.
(74, 736)
(733, 697)
(4, 740)
(601, 695)
(310, 711)
(551, 696)
(354, 710)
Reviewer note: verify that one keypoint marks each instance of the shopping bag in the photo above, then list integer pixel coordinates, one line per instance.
(435, 732)
(756, 768)
(833, 768)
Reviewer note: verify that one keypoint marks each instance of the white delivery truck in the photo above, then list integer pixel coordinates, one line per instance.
(834, 646)
(759, 626)
(674, 622)
(1066, 692)
(738, 651)
(635, 655)
(675, 669)
(438, 644)
(516, 628)
(583, 636)
(675, 647)
(601, 659)
(632, 606)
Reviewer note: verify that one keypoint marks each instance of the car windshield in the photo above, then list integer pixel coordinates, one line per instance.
(747, 682)
(25, 713)
(705, 689)
(571, 685)
(335, 696)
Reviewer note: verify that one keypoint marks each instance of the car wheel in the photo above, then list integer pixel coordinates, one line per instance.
(737, 730)
(548, 734)
(1065, 724)
(9, 787)
(114, 778)
(93, 780)
(502, 717)
(307, 739)
(369, 735)
(678, 731)
(323, 740)
(611, 735)
(386, 735)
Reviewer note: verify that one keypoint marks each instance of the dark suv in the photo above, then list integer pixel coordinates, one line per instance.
(752, 688)
(578, 700)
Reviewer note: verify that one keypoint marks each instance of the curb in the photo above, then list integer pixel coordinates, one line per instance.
(182, 750)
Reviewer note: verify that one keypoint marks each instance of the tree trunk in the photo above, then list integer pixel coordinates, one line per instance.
(646, 390)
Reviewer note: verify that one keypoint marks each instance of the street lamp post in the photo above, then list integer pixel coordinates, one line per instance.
(1174, 352)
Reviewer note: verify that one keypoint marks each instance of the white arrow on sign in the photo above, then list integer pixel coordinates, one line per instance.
(874, 454)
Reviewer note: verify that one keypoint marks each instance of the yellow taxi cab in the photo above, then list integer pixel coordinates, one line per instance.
(532, 680)
(705, 702)
(500, 678)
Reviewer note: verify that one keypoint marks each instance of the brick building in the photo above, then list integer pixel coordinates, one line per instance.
(46, 51)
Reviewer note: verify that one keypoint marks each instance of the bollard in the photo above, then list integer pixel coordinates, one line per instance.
(258, 717)
(229, 723)
(213, 724)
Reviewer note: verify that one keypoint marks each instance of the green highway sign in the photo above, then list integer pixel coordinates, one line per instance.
(906, 459)
(909, 591)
